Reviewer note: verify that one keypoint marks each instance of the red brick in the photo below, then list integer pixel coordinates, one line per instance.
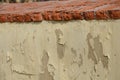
(114, 14)
(89, 15)
(56, 16)
(9, 18)
(77, 15)
(27, 17)
(67, 16)
(60, 10)
(47, 15)
(102, 15)
(3, 17)
(36, 17)
(17, 18)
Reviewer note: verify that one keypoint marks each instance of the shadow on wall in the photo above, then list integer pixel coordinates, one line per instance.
(22, 1)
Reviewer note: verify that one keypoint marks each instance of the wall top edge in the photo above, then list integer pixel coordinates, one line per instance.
(64, 10)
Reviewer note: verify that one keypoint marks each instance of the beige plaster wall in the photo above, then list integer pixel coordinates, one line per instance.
(49, 50)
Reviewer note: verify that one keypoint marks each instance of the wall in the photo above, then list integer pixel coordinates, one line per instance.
(49, 50)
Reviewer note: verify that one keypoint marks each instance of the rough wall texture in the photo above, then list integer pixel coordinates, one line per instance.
(75, 50)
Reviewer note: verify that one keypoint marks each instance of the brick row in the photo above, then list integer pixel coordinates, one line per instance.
(61, 16)
(60, 11)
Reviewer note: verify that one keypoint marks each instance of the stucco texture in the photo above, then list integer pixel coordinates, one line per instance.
(52, 50)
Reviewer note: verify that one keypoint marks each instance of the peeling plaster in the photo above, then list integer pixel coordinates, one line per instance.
(91, 54)
(21, 70)
(77, 58)
(74, 50)
(60, 45)
(46, 75)
(99, 52)
(9, 56)
(96, 52)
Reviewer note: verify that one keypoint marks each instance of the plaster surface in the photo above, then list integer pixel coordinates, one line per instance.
(50, 50)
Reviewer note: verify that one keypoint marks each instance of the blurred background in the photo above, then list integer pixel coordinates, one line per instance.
(22, 1)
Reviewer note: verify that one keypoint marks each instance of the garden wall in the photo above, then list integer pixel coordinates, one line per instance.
(42, 43)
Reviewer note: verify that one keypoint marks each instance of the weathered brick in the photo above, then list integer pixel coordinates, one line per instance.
(36, 17)
(27, 17)
(67, 16)
(114, 14)
(102, 15)
(60, 10)
(89, 15)
(77, 15)
(3, 17)
(9, 18)
(17, 18)
(47, 15)
(56, 16)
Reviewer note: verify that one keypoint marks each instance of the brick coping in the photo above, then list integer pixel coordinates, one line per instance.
(60, 10)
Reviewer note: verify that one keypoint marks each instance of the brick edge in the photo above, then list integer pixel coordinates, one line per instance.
(60, 16)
